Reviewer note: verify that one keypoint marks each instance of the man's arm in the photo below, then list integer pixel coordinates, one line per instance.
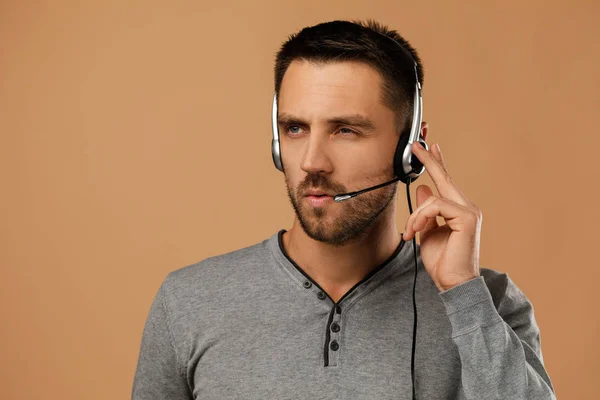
(500, 348)
(159, 374)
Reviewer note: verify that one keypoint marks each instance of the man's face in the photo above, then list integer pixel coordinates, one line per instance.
(332, 156)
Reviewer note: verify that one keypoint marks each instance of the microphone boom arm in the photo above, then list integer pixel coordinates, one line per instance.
(345, 196)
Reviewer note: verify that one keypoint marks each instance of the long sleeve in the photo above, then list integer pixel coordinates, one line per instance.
(159, 374)
(499, 346)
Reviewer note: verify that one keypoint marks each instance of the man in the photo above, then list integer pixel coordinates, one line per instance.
(324, 310)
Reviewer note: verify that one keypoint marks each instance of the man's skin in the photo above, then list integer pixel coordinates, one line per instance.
(342, 242)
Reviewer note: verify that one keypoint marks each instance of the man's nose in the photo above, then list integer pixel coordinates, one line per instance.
(316, 153)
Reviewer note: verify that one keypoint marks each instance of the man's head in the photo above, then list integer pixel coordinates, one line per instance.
(344, 96)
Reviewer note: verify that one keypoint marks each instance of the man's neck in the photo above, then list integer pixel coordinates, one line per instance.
(338, 269)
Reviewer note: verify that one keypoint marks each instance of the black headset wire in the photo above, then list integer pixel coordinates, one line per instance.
(414, 336)
(408, 181)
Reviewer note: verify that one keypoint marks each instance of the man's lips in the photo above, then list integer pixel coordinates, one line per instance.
(319, 201)
(317, 193)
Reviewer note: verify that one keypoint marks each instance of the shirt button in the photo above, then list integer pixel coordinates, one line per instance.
(321, 295)
(334, 346)
(335, 327)
(338, 309)
(307, 284)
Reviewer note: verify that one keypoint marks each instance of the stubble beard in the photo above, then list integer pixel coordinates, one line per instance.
(339, 224)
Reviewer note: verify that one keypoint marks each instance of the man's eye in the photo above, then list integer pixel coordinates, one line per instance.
(291, 128)
(349, 130)
(295, 129)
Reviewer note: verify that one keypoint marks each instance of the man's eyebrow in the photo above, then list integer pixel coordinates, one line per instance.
(353, 120)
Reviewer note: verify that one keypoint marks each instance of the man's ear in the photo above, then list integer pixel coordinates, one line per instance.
(424, 129)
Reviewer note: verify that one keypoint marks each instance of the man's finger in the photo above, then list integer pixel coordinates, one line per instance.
(444, 184)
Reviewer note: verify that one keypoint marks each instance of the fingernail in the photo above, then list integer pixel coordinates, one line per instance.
(438, 148)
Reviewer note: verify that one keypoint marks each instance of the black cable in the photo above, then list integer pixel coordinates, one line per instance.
(414, 338)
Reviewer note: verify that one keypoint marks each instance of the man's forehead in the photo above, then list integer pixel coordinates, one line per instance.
(340, 88)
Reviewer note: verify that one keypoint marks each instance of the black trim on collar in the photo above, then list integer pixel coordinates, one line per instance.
(369, 275)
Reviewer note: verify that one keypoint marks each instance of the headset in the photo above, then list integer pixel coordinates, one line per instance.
(407, 168)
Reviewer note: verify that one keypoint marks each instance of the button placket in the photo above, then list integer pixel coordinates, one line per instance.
(334, 340)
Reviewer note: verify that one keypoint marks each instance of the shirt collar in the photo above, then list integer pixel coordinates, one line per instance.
(401, 259)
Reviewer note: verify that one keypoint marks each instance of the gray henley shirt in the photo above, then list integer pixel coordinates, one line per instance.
(251, 324)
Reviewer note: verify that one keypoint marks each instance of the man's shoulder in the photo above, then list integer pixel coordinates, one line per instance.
(223, 264)
(198, 294)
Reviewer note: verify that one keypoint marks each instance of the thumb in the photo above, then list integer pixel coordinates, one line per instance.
(423, 193)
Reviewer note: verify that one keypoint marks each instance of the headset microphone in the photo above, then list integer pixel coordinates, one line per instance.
(345, 196)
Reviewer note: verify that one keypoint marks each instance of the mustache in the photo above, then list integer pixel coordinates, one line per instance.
(318, 181)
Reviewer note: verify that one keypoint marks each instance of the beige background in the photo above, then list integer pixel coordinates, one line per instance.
(135, 141)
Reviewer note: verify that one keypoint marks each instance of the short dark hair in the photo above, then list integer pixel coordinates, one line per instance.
(359, 41)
